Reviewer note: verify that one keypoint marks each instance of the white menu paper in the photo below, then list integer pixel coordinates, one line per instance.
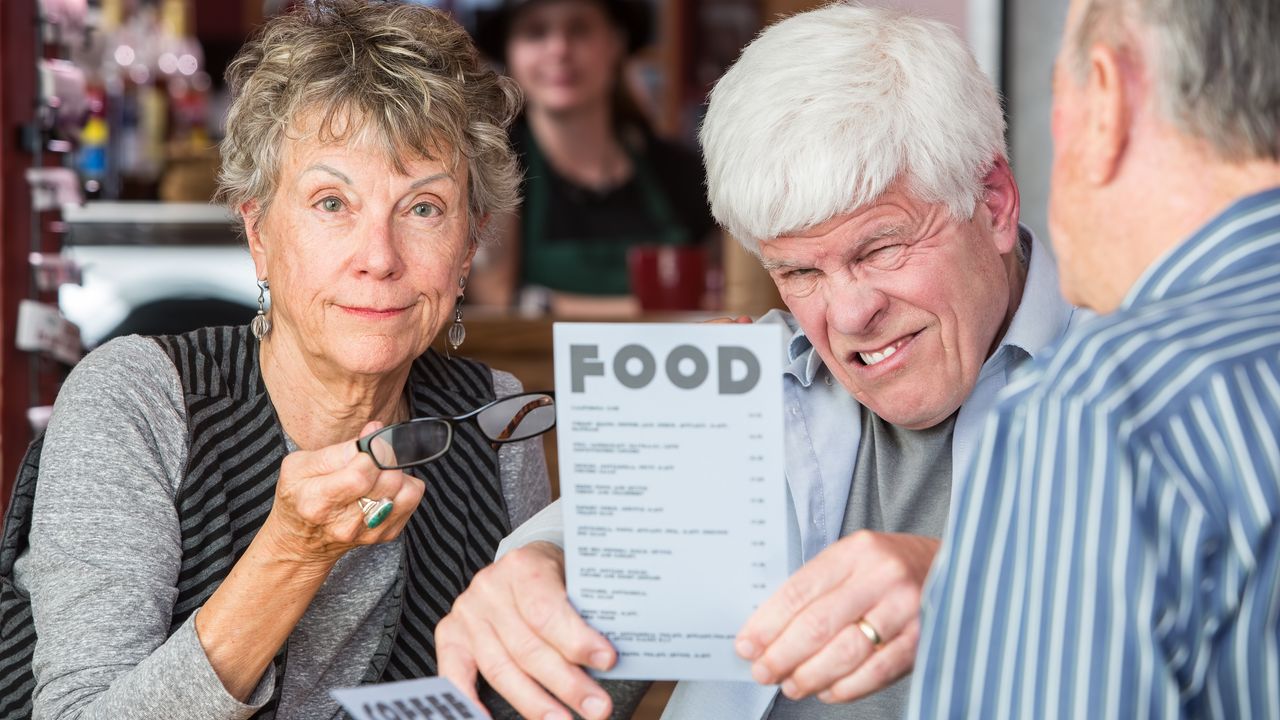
(674, 499)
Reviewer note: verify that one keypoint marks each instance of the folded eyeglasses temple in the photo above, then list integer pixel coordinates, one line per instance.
(376, 511)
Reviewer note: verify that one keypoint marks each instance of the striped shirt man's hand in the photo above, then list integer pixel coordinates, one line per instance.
(817, 633)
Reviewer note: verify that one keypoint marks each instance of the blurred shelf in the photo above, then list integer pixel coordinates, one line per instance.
(149, 223)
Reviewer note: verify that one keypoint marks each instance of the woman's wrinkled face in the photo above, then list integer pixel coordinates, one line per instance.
(364, 262)
(564, 53)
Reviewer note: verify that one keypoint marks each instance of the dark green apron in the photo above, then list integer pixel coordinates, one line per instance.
(589, 266)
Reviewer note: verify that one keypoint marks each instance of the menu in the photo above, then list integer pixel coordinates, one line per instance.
(431, 698)
(674, 499)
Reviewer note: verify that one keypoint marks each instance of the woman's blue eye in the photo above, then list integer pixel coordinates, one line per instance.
(331, 204)
(425, 210)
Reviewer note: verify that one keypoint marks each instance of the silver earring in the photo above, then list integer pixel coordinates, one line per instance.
(261, 324)
(458, 333)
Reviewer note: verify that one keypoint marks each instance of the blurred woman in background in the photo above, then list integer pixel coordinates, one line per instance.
(597, 180)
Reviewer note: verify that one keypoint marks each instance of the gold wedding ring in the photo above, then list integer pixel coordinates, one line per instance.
(870, 631)
(375, 511)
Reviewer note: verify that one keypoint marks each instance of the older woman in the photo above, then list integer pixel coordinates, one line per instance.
(197, 547)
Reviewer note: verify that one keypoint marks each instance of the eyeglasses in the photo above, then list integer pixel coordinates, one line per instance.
(421, 440)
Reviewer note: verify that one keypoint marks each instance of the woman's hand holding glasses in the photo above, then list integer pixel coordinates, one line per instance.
(421, 440)
(316, 517)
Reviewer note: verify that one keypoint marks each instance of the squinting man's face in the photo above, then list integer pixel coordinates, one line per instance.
(564, 54)
(902, 302)
(364, 262)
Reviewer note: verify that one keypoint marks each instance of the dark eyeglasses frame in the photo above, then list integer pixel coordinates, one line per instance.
(364, 444)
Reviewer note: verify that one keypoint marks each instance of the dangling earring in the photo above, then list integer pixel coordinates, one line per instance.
(261, 324)
(458, 333)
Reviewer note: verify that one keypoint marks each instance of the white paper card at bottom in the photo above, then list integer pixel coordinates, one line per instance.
(432, 698)
(674, 499)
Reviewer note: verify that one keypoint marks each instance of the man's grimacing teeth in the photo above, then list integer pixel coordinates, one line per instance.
(871, 358)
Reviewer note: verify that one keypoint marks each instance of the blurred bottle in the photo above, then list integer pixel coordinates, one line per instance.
(96, 158)
(148, 69)
(92, 159)
(190, 172)
(111, 16)
(138, 112)
(181, 63)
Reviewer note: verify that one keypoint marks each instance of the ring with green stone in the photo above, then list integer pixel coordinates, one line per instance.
(375, 511)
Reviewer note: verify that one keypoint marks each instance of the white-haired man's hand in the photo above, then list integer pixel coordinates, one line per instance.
(817, 633)
(514, 625)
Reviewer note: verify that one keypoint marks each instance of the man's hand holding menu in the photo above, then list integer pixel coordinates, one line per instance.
(515, 624)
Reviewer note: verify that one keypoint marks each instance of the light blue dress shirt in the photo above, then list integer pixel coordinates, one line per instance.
(823, 429)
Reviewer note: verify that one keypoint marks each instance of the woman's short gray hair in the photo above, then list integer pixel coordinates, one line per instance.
(824, 110)
(1216, 65)
(406, 75)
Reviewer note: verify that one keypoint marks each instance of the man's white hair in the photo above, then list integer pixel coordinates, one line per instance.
(825, 109)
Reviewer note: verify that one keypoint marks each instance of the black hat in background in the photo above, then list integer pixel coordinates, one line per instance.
(635, 17)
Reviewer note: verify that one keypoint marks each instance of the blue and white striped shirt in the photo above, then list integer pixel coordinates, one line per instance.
(1114, 551)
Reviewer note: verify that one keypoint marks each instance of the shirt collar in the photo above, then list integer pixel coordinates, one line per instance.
(801, 361)
(1041, 318)
(1213, 250)
(1042, 315)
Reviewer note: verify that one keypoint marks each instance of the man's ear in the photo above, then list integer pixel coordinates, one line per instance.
(250, 213)
(1003, 204)
(1109, 102)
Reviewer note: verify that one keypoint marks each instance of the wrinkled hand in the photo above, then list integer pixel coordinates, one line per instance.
(514, 625)
(316, 516)
(806, 637)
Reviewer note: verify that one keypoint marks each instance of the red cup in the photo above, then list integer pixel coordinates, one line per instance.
(668, 277)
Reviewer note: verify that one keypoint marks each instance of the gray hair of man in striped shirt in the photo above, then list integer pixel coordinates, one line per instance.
(1138, 120)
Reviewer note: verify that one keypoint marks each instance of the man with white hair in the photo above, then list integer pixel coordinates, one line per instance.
(860, 154)
(1118, 552)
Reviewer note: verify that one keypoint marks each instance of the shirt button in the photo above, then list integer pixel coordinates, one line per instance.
(828, 379)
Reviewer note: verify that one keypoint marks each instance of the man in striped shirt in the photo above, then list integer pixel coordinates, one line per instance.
(1114, 551)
